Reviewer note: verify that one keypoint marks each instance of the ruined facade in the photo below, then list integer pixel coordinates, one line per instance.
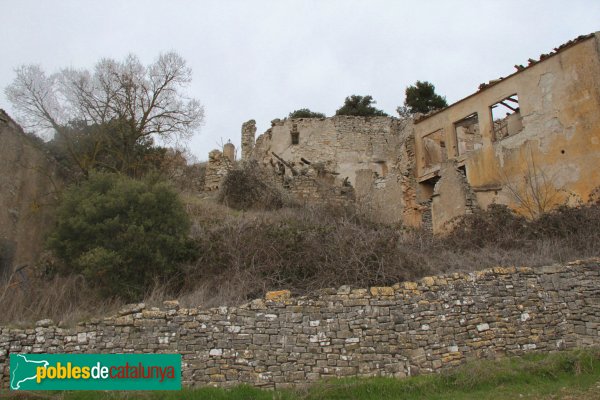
(530, 140)
(364, 159)
(248, 136)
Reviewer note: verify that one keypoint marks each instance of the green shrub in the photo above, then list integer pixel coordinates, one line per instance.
(122, 234)
(361, 106)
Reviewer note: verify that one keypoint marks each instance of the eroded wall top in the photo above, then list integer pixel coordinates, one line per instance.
(342, 144)
(534, 134)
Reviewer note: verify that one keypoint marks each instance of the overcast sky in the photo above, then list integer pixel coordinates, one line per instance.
(263, 59)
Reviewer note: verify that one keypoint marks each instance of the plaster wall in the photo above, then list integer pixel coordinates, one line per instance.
(559, 100)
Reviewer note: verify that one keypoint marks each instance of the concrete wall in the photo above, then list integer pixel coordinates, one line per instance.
(408, 329)
(27, 192)
(559, 143)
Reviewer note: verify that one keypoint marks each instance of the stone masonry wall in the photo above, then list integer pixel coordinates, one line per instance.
(407, 329)
(374, 155)
(248, 132)
(217, 167)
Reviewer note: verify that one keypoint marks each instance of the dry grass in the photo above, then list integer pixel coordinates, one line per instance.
(65, 300)
(244, 254)
(306, 249)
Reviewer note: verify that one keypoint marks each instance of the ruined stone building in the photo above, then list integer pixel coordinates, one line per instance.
(342, 159)
(530, 141)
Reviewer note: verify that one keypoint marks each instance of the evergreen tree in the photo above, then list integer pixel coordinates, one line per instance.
(421, 98)
(360, 106)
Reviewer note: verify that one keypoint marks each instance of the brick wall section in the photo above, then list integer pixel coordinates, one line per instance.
(407, 329)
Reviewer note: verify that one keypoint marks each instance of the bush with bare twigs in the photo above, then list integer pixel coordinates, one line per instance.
(245, 187)
(244, 254)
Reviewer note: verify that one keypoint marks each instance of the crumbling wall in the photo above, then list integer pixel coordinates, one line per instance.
(393, 197)
(248, 134)
(313, 190)
(219, 164)
(29, 180)
(408, 329)
(548, 148)
(452, 197)
(343, 144)
(373, 155)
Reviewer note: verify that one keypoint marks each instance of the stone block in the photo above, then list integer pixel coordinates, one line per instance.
(132, 308)
(381, 291)
(44, 323)
(278, 295)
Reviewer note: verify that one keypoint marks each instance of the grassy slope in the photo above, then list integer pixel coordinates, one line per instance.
(566, 375)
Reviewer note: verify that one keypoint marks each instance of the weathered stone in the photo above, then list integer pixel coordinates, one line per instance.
(171, 304)
(362, 332)
(428, 281)
(150, 314)
(44, 323)
(381, 291)
(483, 327)
(132, 308)
(278, 295)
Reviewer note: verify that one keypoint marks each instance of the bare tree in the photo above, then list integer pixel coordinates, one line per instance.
(535, 191)
(147, 101)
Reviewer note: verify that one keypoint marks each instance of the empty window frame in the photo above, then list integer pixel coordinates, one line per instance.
(295, 134)
(468, 134)
(506, 117)
(434, 149)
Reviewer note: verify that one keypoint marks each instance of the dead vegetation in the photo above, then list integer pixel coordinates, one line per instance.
(244, 254)
(245, 188)
(64, 299)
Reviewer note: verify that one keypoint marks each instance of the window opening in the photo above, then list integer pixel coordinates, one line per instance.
(434, 146)
(295, 134)
(468, 134)
(506, 117)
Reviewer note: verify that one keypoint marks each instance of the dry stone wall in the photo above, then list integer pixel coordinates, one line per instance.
(407, 329)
